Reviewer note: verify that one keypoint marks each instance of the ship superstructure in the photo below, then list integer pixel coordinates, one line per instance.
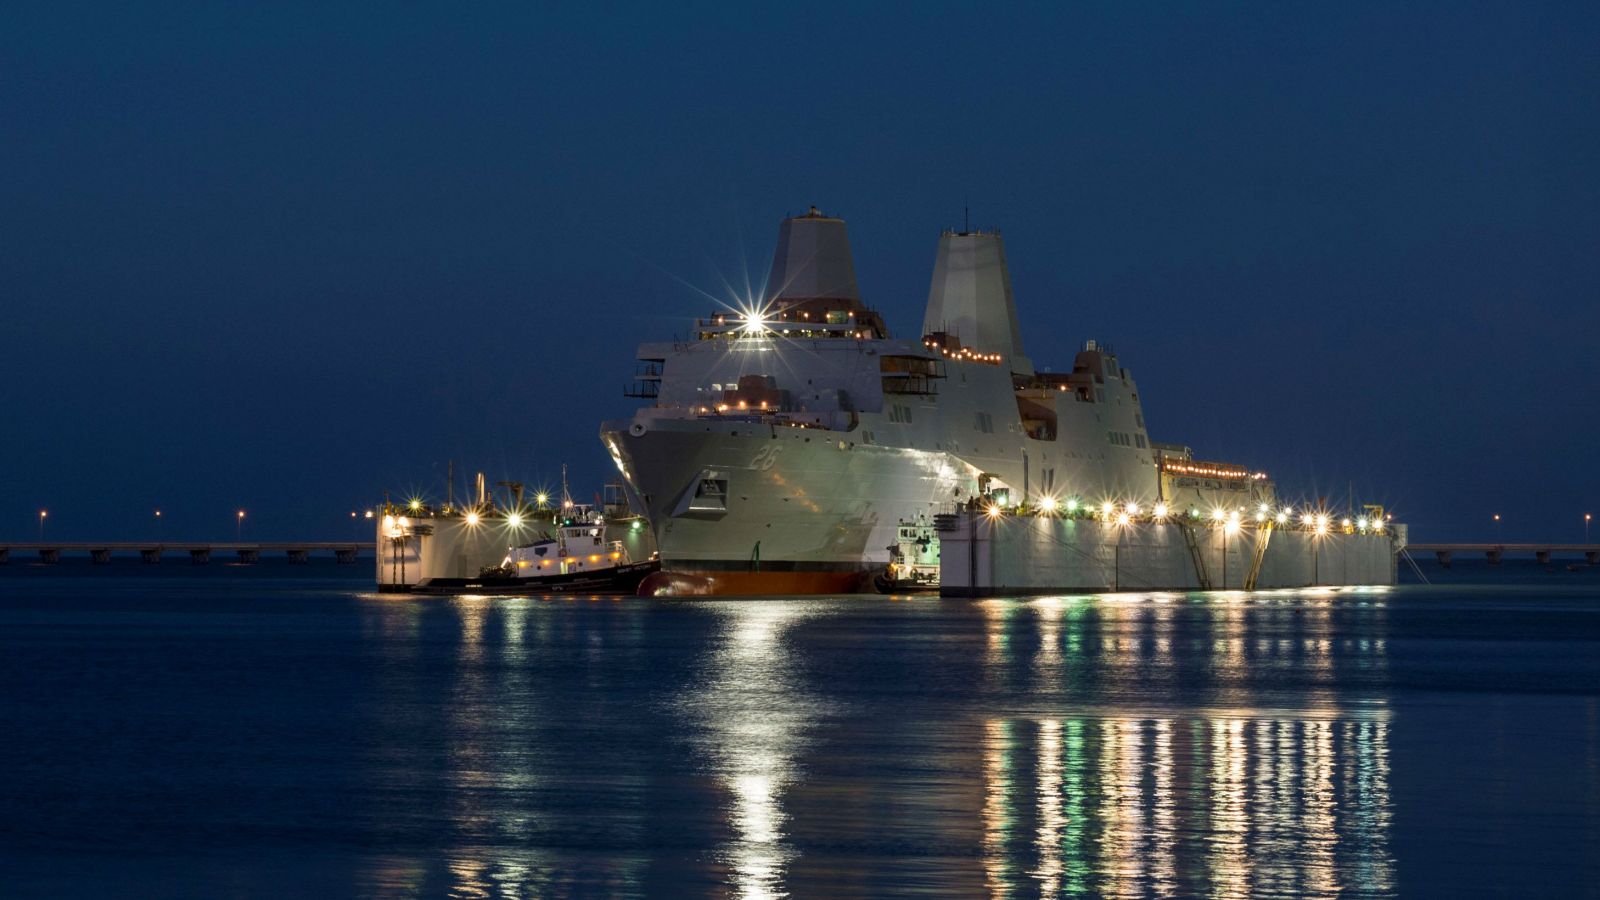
(786, 442)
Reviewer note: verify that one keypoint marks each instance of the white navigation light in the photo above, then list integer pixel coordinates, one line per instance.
(1160, 511)
(754, 321)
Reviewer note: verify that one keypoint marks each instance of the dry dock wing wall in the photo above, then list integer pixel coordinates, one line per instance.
(982, 556)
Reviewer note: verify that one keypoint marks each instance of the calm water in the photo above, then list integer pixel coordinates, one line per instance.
(232, 732)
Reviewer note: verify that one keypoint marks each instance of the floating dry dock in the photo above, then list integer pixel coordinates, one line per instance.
(991, 551)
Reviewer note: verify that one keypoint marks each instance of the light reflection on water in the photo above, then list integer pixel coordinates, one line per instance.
(753, 714)
(1098, 782)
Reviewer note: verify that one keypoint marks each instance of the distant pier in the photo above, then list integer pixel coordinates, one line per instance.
(1493, 552)
(199, 552)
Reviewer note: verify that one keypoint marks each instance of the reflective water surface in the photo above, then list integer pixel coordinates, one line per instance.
(199, 736)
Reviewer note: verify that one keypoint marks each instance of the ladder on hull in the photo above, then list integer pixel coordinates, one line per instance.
(1263, 535)
(1195, 556)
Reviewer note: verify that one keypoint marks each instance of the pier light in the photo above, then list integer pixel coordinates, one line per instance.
(472, 519)
(1048, 504)
(1261, 508)
(1322, 521)
(1233, 517)
(1283, 517)
(1218, 514)
(1308, 519)
(1361, 523)
(514, 520)
(1106, 508)
(1261, 517)
(1160, 511)
(1132, 508)
(1122, 519)
(1232, 526)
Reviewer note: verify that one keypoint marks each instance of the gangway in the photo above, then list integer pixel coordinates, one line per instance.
(1263, 535)
(1195, 555)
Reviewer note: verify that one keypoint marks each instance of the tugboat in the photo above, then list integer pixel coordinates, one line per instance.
(575, 558)
(913, 558)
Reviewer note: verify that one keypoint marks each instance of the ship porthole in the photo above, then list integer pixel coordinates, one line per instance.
(637, 429)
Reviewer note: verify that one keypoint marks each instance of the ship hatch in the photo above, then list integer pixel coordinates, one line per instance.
(707, 494)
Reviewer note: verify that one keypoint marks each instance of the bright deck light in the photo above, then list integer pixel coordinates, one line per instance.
(993, 511)
(1161, 511)
(1283, 517)
(1048, 504)
(514, 520)
(1107, 507)
(1122, 519)
(1132, 508)
(1218, 514)
(1072, 506)
(472, 518)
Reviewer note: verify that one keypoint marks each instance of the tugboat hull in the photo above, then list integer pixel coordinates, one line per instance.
(619, 580)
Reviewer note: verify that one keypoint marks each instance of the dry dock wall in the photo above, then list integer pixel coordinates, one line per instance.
(982, 556)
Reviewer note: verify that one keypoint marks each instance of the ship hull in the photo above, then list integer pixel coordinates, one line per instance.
(803, 511)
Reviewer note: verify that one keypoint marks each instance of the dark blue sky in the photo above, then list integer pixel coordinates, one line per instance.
(284, 258)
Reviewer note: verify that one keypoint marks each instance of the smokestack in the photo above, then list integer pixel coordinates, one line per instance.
(971, 297)
(813, 260)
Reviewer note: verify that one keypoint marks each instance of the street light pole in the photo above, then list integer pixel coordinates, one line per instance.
(42, 514)
(238, 527)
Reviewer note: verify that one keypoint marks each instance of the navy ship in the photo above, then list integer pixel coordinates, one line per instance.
(783, 446)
